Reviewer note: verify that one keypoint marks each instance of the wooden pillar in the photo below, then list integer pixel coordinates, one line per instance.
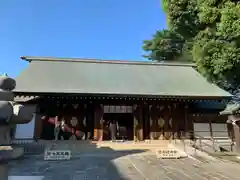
(39, 118)
(186, 120)
(161, 124)
(153, 123)
(154, 126)
(167, 123)
(89, 121)
(210, 126)
(140, 121)
(98, 123)
(137, 123)
(174, 121)
(38, 125)
(146, 122)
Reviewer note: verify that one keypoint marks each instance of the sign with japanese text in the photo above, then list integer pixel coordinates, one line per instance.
(167, 153)
(57, 155)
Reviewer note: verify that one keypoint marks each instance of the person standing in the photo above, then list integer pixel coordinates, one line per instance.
(62, 130)
(113, 130)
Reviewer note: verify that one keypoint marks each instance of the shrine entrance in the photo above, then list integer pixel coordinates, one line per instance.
(74, 128)
(47, 128)
(124, 118)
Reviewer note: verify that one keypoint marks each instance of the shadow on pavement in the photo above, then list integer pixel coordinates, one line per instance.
(90, 163)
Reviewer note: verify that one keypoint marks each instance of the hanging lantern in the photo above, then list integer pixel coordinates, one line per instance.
(84, 121)
(74, 121)
(175, 105)
(170, 122)
(75, 106)
(161, 108)
(58, 103)
(151, 121)
(161, 122)
(150, 107)
(135, 107)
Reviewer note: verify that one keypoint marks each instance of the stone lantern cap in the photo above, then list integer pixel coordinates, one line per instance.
(7, 83)
(6, 86)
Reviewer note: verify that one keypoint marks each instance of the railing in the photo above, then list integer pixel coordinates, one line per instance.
(199, 142)
(23, 140)
(30, 145)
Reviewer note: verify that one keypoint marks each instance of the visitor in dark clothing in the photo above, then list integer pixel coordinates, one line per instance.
(113, 130)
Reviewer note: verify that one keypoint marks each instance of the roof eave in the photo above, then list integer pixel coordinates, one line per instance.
(127, 95)
(92, 60)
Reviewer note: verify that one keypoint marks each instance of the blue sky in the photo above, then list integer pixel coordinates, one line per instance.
(104, 29)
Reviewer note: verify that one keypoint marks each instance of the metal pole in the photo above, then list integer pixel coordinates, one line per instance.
(195, 148)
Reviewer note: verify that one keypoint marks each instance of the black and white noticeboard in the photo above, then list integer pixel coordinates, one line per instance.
(57, 155)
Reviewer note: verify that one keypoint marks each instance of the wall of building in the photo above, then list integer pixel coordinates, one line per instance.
(161, 120)
(25, 131)
(151, 120)
(211, 125)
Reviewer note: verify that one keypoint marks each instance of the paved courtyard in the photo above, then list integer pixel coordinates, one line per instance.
(124, 166)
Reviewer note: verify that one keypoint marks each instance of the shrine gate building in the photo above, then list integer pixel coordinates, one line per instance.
(151, 100)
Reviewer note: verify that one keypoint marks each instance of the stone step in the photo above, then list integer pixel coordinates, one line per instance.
(77, 146)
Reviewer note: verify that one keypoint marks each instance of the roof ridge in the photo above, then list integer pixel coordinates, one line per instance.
(101, 61)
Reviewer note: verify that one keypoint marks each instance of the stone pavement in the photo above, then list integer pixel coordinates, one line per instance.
(124, 166)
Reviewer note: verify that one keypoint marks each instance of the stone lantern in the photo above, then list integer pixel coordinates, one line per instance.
(10, 113)
(233, 113)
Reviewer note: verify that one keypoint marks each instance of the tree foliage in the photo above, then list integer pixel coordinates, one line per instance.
(165, 45)
(210, 36)
(216, 49)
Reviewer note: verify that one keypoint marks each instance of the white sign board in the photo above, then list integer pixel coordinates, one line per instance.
(57, 155)
(168, 153)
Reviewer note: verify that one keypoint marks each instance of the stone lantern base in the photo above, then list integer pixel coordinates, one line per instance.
(4, 169)
(7, 153)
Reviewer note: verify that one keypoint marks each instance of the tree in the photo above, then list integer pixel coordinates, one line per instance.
(183, 25)
(216, 49)
(165, 45)
(210, 32)
(182, 17)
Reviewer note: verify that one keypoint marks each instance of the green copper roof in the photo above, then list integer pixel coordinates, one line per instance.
(51, 75)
